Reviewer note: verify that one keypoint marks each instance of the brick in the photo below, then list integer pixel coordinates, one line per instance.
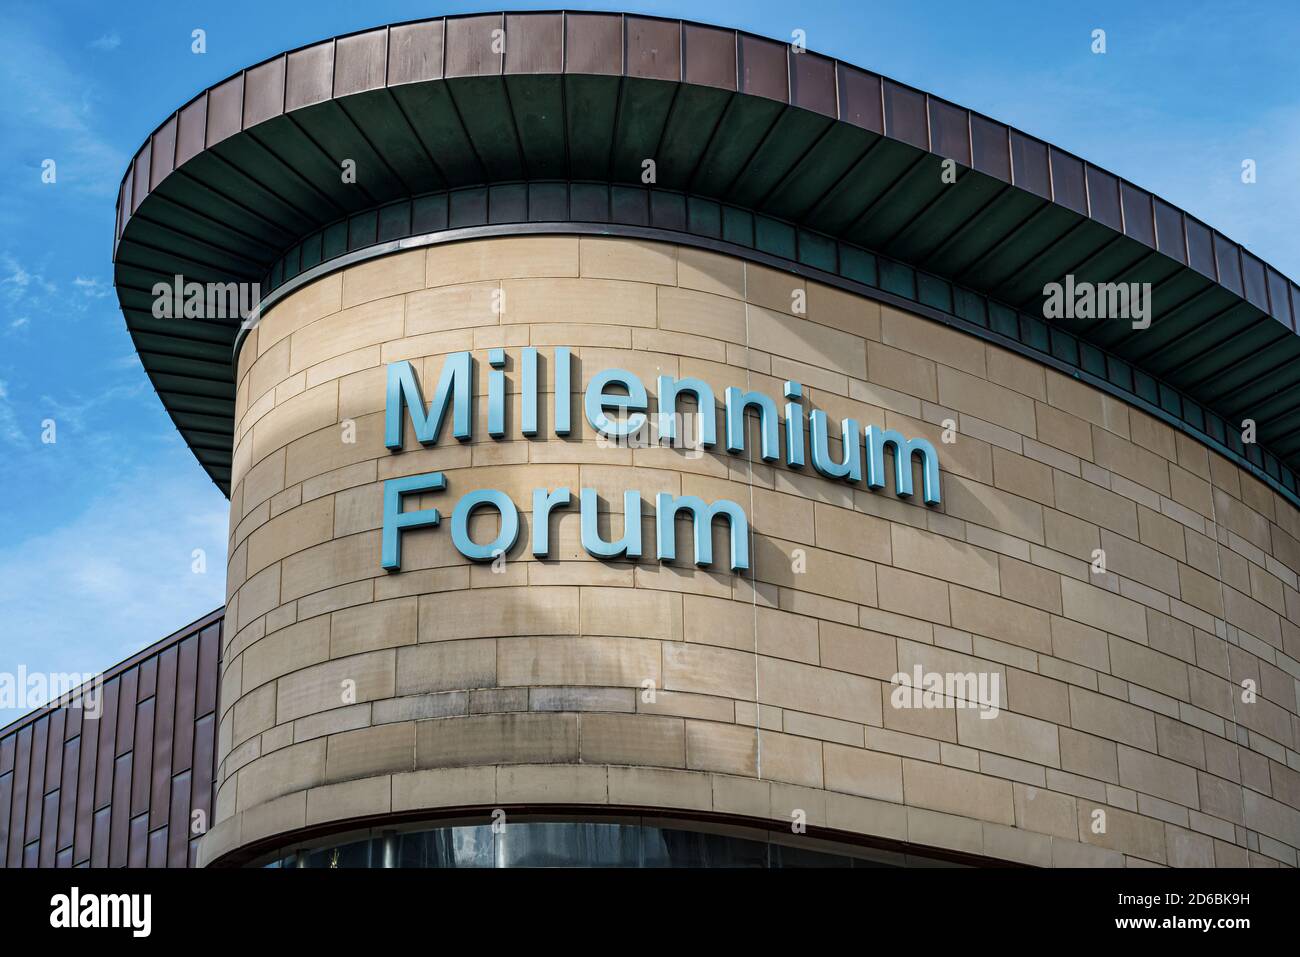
(790, 759)
(632, 739)
(528, 738)
(444, 787)
(730, 749)
(923, 337)
(864, 773)
(1001, 619)
(1014, 735)
(324, 686)
(705, 670)
(1113, 719)
(857, 650)
(594, 301)
(697, 313)
(289, 649)
(383, 624)
(1046, 812)
(563, 660)
(942, 557)
(1151, 669)
(1089, 755)
(512, 257)
(710, 272)
(1158, 776)
(1095, 606)
(1022, 476)
(956, 791)
(603, 258)
(988, 401)
(368, 751)
(789, 684)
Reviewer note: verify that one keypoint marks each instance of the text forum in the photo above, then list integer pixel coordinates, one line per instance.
(807, 439)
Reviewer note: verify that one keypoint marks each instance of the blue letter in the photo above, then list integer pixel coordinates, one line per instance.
(543, 502)
(395, 519)
(666, 508)
(737, 403)
(505, 540)
(563, 390)
(904, 449)
(497, 393)
(404, 388)
(528, 393)
(597, 402)
(793, 425)
(669, 389)
(851, 467)
(629, 545)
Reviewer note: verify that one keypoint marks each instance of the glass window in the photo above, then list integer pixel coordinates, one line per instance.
(447, 847)
(629, 843)
(568, 845)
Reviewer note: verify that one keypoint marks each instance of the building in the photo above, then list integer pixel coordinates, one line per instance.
(988, 552)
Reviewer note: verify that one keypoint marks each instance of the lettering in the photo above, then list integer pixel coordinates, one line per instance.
(616, 405)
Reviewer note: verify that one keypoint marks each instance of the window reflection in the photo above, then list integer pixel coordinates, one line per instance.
(470, 846)
(538, 844)
(534, 843)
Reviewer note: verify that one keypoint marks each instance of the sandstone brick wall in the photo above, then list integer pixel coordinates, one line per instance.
(1122, 692)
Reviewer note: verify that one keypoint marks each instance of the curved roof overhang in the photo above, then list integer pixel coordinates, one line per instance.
(240, 176)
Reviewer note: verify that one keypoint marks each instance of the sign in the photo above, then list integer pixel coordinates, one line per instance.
(616, 404)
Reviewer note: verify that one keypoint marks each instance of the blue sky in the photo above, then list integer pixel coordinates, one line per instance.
(98, 529)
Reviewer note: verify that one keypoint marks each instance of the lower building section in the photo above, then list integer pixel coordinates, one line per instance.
(908, 583)
(495, 839)
(117, 772)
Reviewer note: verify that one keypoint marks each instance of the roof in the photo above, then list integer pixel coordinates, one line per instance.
(812, 162)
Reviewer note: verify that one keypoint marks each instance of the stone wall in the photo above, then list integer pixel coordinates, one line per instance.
(1120, 692)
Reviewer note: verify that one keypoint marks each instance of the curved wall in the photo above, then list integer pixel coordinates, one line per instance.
(1119, 692)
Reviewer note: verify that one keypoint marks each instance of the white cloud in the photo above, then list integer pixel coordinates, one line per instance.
(116, 576)
(91, 288)
(50, 111)
(108, 42)
(128, 360)
(10, 431)
(28, 289)
(76, 410)
(19, 286)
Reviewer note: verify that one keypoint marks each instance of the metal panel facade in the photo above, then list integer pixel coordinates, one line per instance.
(123, 788)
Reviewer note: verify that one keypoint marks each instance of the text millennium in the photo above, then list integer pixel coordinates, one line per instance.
(617, 405)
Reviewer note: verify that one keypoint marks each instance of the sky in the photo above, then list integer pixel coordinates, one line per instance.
(99, 529)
